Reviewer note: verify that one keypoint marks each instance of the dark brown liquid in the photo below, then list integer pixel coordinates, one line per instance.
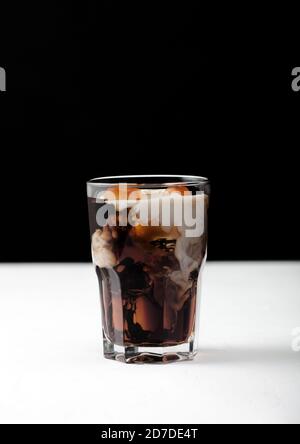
(145, 300)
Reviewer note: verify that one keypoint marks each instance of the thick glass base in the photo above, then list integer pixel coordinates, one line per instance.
(148, 355)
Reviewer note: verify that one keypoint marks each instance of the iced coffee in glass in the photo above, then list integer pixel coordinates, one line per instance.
(149, 244)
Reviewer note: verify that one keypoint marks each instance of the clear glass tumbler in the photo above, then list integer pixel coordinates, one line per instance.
(149, 244)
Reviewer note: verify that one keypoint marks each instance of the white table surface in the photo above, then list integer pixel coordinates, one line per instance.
(52, 370)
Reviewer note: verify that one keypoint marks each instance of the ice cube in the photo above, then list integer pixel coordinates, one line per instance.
(103, 249)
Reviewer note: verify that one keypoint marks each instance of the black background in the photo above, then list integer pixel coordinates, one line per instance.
(115, 89)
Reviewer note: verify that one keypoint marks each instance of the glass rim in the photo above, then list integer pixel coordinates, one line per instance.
(140, 181)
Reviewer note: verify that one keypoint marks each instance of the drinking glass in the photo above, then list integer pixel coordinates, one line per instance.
(149, 247)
